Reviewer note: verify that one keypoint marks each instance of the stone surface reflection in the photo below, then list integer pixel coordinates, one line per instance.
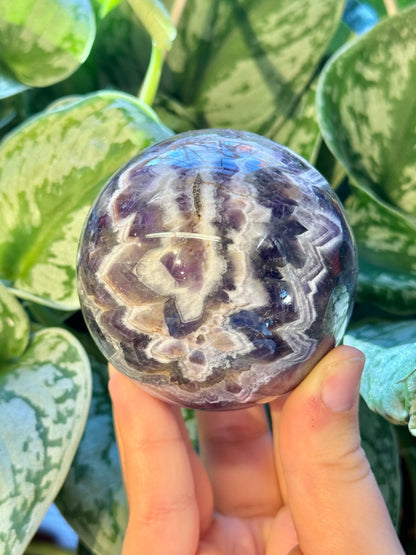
(216, 268)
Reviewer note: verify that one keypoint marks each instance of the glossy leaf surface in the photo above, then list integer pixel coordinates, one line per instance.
(58, 35)
(93, 499)
(9, 86)
(367, 110)
(389, 379)
(258, 59)
(51, 169)
(44, 401)
(14, 326)
(300, 131)
(380, 445)
(386, 240)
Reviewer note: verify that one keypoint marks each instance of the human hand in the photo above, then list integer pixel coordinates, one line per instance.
(306, 490)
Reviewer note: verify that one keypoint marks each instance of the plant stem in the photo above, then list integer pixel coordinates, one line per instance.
(391, 7)
(151, 80)
(176, 11)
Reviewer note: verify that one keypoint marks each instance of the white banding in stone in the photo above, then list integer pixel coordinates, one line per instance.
(183, 235)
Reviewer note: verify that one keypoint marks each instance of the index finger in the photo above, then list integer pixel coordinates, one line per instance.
(163, 510)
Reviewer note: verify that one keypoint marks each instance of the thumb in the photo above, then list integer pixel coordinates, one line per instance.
(336, 505)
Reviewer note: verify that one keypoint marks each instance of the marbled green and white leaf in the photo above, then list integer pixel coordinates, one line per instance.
(44, 401)
(389, 380)
(380, 444)
(245, 64)
(45, 41)
(51, 169)
(14, 326)
(300, 131)
(386, 240)
(367, 109)
(93, 498)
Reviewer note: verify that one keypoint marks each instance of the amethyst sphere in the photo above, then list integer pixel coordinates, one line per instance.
(216, 268)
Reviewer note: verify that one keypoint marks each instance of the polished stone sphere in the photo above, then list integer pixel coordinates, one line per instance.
(216, 269)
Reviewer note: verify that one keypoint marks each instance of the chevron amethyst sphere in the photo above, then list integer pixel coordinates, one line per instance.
(216, 268)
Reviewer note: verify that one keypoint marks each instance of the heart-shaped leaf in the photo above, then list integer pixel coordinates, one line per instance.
(386, 241)
(93, 498)
(259, 57)
(51, 169)
(45, 41)
(44, 401)
(367, 109)
(389, 380)
(14, 327)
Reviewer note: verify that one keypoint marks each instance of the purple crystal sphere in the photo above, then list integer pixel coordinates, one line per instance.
(216, 268)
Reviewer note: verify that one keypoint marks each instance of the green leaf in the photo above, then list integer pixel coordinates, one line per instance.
(45, 41)
(380, 444)
(389, 379)
(258, 59)
(121, 50)
(329, 166)
(387, 252)
(367, 109)
(14, 327)
(8, 84)
(93, 498)
(13, 110)
(44, 401)
(300, 131)
(51, 169)
(43, 548)
(188, 416)
(106, 6)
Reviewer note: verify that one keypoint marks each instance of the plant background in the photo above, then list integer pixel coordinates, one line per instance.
(334, 81)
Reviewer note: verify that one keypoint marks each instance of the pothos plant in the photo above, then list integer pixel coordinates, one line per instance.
(298, 72)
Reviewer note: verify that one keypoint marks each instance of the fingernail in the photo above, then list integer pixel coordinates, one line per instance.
(342, 384)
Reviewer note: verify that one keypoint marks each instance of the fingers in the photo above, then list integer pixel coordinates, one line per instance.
(335, 502)
(158, 474)
(237, 451)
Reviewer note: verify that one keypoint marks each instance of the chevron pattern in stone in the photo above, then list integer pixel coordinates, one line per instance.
(216, 268)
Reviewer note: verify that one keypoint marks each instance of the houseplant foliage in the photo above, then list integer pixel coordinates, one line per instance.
(298, 72)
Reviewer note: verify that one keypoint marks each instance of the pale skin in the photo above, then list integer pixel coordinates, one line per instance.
(305, 489)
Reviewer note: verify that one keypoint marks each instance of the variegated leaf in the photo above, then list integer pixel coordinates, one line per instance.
(44, 401)
(51, 169)
(386, 240)
(379, 442)
(389, 380)
(300, 131)
(367, 109)
(258, 59)
(14, 327)
(93, 498)
(45, 41)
